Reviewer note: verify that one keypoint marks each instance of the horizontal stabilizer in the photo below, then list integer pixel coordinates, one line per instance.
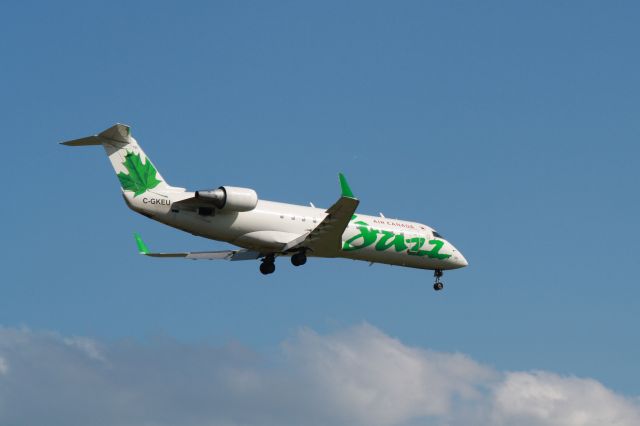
(116, 133)
(89, 140)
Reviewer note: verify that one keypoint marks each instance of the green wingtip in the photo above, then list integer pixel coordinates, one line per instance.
(142, 247)
(346, 191)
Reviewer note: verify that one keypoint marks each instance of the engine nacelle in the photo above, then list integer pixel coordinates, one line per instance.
(230, 198)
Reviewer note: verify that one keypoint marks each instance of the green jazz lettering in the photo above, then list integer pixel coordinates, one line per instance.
(389, 239)
(434, 253)
(368, 236)
(386, 239)
(417, 242)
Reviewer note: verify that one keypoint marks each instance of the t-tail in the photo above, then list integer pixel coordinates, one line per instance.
(134, 169)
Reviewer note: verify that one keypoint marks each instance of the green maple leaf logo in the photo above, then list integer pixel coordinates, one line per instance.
(141, 177)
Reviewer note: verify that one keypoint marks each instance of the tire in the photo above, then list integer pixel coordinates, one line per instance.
(267, 268)
(298, 259)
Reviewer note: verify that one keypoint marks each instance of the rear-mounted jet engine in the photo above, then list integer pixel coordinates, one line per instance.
(230, 198)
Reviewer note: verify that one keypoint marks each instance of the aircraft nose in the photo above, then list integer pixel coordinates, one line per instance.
(461, 261)
(457, 259)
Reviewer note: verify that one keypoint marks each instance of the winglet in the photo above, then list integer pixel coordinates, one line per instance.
(142, 247)
(346, 191)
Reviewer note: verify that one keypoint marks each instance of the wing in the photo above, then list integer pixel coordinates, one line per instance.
(241, 254)
(326, 238)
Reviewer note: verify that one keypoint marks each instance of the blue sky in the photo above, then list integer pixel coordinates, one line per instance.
(510, 127)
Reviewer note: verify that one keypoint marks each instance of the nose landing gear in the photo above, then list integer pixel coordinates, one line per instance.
(438, 285)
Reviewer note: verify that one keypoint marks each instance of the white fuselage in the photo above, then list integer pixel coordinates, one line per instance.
(271, 225)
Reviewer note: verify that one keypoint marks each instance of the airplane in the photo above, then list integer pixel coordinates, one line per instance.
(266, 229)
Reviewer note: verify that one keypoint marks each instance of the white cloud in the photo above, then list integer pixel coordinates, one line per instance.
(358, 376)
(88, 346)
(371, 378)
(541, 398)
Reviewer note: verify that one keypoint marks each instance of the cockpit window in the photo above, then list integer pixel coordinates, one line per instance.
(435, 234)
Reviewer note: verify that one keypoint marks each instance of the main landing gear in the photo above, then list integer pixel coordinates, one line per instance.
(299, 259)
(438, 285)
(268, 265)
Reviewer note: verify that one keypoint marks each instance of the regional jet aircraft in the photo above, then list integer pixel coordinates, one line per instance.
(266, 229)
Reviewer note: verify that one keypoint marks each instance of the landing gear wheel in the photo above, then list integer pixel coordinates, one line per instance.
(438, 285)
(298, 259)
(268, 265)
(267, 268)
